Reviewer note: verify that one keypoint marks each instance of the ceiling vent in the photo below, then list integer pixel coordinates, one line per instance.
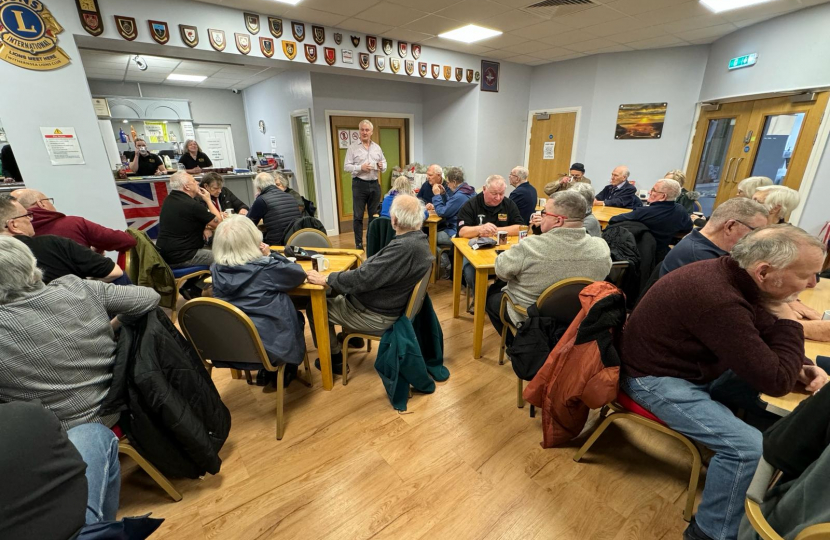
(557, 8)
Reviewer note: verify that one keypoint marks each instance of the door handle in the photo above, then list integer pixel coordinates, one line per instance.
(748, 137)
(735, 172)
(728, 166)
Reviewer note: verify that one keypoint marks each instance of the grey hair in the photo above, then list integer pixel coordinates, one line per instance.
(263, 180)
(626, 173)
(777, 245)
(586, 190)
(787, 198)
(19, 274)
(408, 211)
(7, 209)
(366, 122)
(279, 180)
(236, 241)
(737, 209)
(520, 172)
(671, 188)
(179, 180)
(455, 175)
(570, 204)
(676, 174)
(438, 167)
(29, 197)
(402, 186)
(494, 178)
(749, 185)
(187, 143)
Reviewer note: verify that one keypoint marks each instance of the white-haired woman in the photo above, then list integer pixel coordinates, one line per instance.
(277, 209)
(779, 200)
(687, 198)
(247, 275)
(193, 159)
(747, 186)
(400, 185)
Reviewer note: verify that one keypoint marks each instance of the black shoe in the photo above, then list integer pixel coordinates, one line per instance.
(358, 246)
(693, 532)
(289, 375)
(336, 364)
(262, 377)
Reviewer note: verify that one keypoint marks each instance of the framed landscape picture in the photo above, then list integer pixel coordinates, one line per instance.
(640, 121)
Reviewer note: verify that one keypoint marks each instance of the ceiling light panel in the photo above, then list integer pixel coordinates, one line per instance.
(717, 6)
(186, 78)
(470, 34)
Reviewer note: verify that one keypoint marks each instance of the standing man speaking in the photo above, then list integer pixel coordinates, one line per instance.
(365, 161)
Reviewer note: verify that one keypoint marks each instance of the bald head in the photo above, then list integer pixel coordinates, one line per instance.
(619, 175)
(32, 197)
(435, 174)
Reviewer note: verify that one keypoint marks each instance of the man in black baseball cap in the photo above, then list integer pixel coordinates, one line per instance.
(575, 174)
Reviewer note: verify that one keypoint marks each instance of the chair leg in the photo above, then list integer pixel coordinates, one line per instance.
(503, 345)
(310, 381)
(594, 436)
(469, 295)
(520, 401)
(695, 478)
(248, 376)
(345, 374)
(149, 468)
(280, 402)
(368, 345)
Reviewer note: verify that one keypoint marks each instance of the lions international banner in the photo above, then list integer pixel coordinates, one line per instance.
(28, 36)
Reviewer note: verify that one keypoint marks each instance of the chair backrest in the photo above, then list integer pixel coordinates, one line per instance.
(697, 206)
(380, 233)
(416, 301)
(560, 301)
(617, 273)
(221, 332)
(309, 238)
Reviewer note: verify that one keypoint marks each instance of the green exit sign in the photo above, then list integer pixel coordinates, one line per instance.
(743, 61)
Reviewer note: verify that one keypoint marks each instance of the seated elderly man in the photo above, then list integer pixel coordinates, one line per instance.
(575, 174)
(730, 222)
(447, 201)
(563, 250)
(663, 217)
(372, 297)
(723, 318)
(485, 215)
(66, 365)
(435, 177)
(590, 221)
(277, 209)
(47, 220)
(780, 201)
(56, 256)
(524, 194)
(184, 223)
(620, 192)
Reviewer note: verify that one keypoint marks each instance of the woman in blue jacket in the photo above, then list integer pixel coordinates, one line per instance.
(247, 275)
(400, 185)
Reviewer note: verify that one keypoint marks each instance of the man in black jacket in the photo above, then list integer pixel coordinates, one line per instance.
(276, 208)
(620, 192)
(372, 297)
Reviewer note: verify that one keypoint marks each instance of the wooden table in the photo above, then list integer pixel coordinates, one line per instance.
(319, 307)
(604, 213)
(484, 262)
(359, 254)
(432, 227)
(817, 298)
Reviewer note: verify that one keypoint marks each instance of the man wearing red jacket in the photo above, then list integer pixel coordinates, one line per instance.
(713, 320)
(47, 220)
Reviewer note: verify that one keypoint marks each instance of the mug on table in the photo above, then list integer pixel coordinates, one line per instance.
(320, 263)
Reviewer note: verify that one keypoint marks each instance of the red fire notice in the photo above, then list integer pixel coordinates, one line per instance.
(62, 145)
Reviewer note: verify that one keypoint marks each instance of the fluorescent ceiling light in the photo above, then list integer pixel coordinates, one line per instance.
(470, 33)
(725, 5)
(187, 78)
(291, 2)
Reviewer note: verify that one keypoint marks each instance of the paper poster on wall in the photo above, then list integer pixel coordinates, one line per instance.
(62, 145)
(547, 151)
(273, 144)
(343, 138)
(354, 136)
(187, 130)
(214, 149)
(156, 132)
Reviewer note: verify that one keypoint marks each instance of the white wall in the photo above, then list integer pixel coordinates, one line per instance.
(451, 128)
(600, 84)
(207, 105)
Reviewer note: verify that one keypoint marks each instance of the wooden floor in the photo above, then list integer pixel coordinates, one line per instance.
(462, 463)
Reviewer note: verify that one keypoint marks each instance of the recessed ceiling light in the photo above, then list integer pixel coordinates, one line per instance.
(187, 78)
(291, 2)
(725, 5)
(470, 33)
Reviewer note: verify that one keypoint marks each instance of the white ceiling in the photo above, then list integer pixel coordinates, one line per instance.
(531, 36)
(113, 66)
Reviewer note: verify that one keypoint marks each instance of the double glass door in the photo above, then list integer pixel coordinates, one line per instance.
(766, 137)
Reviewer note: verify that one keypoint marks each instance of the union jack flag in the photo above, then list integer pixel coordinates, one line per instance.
(141, 203)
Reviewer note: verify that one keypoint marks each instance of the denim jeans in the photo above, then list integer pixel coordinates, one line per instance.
(688, 408)
(203, 257)
(98, 447)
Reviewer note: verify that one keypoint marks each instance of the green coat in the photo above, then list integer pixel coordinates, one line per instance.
(151, 270)
(412, 354)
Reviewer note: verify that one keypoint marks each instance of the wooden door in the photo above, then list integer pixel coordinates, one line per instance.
(767, 137)
(551, 135)
(390, 133)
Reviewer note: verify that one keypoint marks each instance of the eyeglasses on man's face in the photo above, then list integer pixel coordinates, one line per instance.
(750, 227)
(50, 199)
(30, 216)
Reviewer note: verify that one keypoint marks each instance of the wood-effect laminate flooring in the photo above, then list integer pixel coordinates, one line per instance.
(462, 463)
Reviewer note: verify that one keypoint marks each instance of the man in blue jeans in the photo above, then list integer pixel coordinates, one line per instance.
(718, 319)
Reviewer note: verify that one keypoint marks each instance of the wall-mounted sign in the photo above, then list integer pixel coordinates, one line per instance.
(343, 138)
(156, 132)
(547, 150)
(62, 145)
(101, 107)
(743, 61)
(187, 130)
(28, 33)
(640, 121)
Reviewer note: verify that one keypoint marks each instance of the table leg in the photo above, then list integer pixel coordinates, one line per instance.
(321, 329)
(458, 260)
(433, 246)
(482, 279)
(236, 374)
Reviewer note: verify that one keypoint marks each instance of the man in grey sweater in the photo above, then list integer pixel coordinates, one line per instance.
(372, 297)
(563, 250)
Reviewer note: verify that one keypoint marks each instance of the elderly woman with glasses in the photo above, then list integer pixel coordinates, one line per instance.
(249, 276)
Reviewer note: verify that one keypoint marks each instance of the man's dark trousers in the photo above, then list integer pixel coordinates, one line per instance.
(364, 193)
